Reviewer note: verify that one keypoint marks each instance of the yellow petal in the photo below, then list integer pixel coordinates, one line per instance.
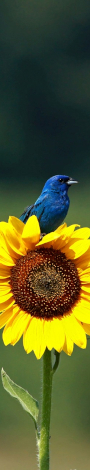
(5, 251)
(4, 282)
(15, 241)
(3, 227)
(86, 288)
(58, 238)
(86, 271)
(6, 303)
(11, 232)
(48, 239)
(69, 231)
(4, 290)
(11, 237)
(54, 334)
(61, 228)
(33, 339)
(85, 295)
(82, 233)
(6, 315)
(5, 260)
(86, 328)
(31, 230)
(3, 243)
(77, 249)
(5, 248)
(64, 238)
(75, 331)
(19, 326)
(4, 297)
(3, 276)
(65, 231)
(10, 247)
(68, 345)
(6, 335)
(84, 261)
(17, 224)
(4, 272)
(82, 310)
(85, 276)
(72, 248)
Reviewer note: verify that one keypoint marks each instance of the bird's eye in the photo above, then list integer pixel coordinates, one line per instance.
(61, 180)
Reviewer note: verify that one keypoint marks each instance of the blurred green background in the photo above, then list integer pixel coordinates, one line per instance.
(45, 130)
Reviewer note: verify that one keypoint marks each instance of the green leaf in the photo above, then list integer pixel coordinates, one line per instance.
(25, 399)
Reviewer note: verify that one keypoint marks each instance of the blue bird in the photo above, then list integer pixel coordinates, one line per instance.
(52, 205)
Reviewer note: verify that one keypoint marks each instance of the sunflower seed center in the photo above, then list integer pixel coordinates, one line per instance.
(45, 283)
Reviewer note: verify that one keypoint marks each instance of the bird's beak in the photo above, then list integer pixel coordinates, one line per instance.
(71, 181)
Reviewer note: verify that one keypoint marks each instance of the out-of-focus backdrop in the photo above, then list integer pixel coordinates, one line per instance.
(45, 130)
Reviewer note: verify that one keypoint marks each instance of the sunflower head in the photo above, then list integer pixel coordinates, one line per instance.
(44, 286)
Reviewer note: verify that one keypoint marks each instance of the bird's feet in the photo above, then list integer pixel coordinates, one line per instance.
(42, 235)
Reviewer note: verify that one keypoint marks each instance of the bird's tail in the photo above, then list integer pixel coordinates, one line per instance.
(26, 214)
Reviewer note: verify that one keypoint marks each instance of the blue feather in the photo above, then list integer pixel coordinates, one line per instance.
(52, 205)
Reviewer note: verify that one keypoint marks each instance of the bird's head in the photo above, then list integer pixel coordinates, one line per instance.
(58, 183)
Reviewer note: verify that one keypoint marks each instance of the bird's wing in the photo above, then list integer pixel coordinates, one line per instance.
(36, 209)
(39, 206)
(26, 214)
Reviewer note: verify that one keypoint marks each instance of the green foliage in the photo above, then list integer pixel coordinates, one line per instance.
(25, 399)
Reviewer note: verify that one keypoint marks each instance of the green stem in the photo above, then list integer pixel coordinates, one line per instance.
(56, 363)
(46, 411)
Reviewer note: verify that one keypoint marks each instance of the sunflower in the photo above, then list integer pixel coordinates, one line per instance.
(44, 286)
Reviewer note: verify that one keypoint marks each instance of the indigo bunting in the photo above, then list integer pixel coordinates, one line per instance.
(52, 205)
